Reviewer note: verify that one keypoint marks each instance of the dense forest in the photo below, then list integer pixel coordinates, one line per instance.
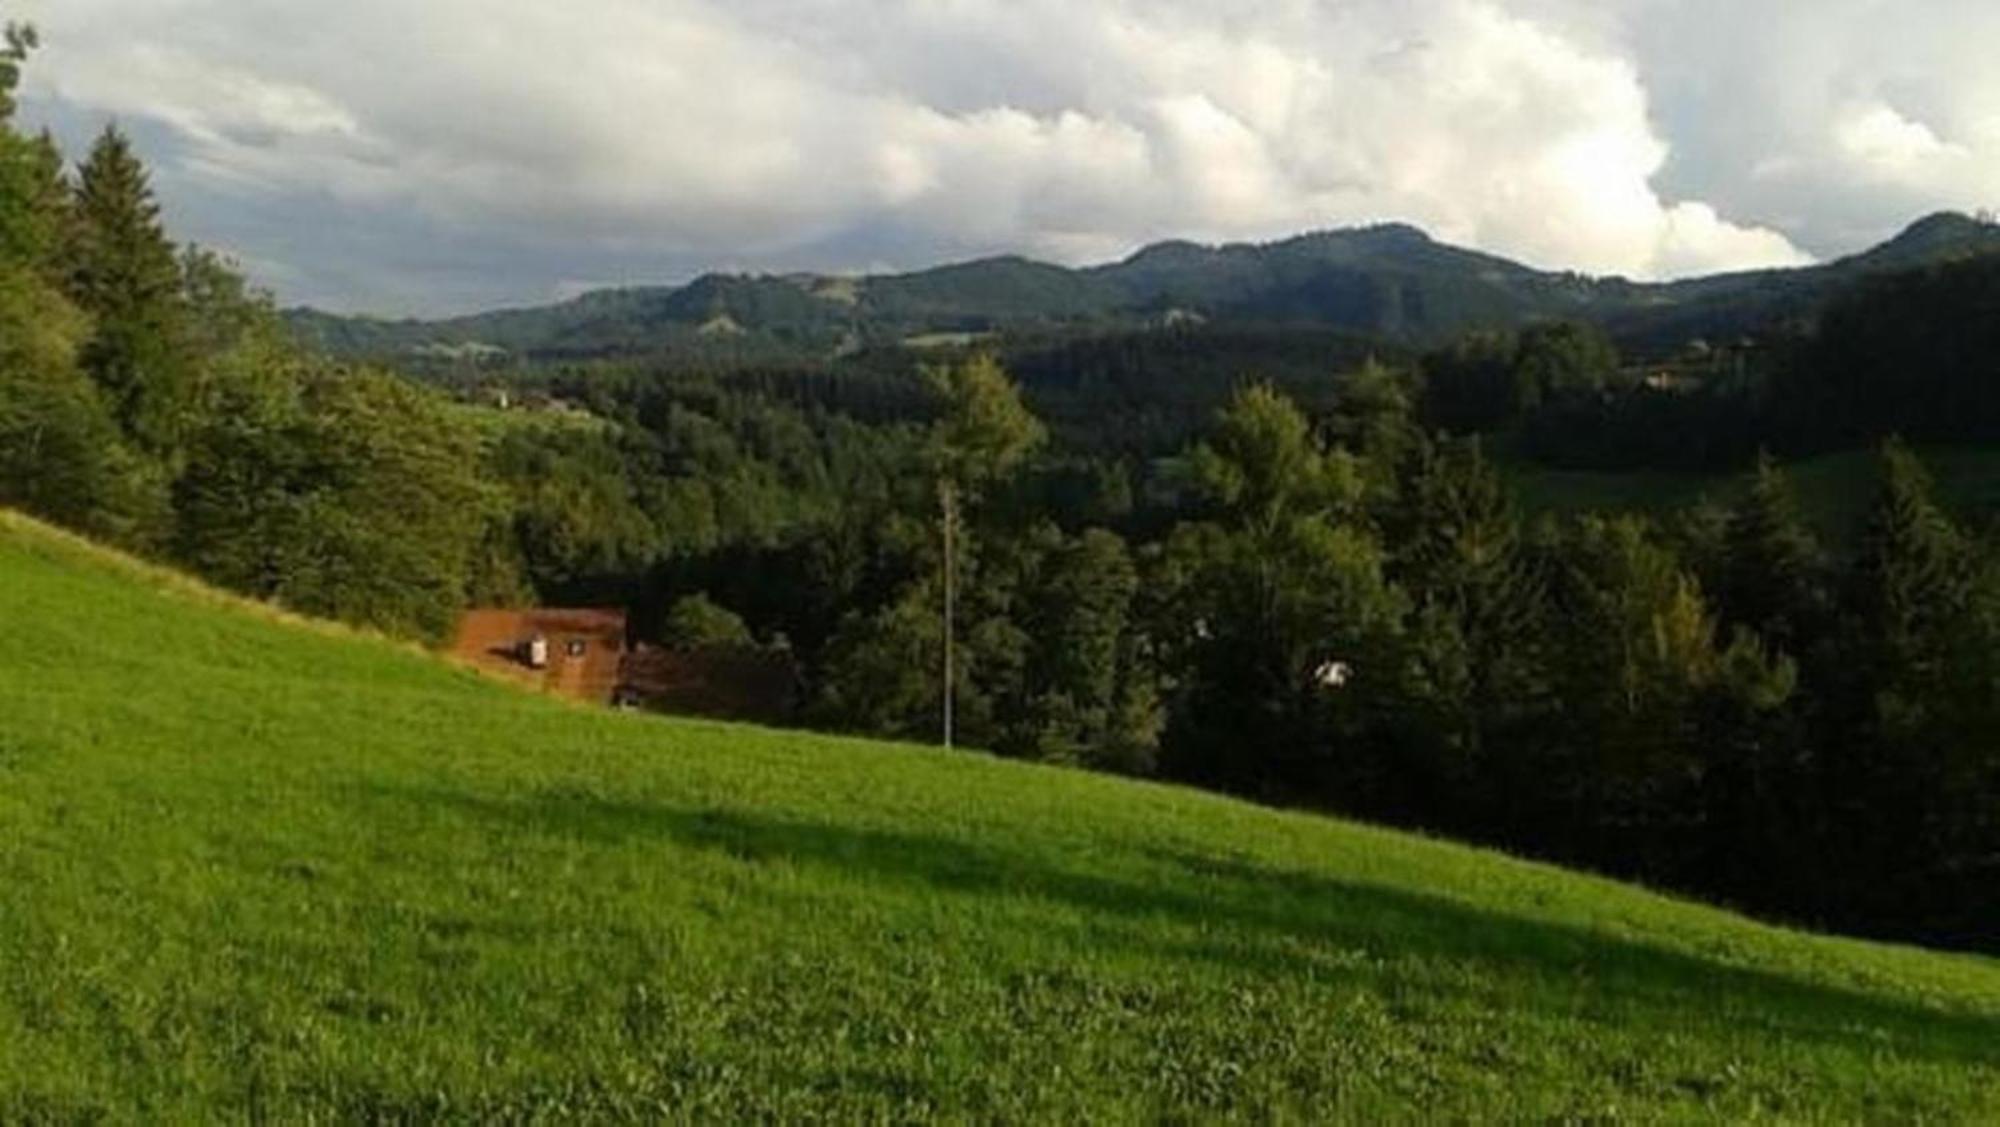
(1276, 561)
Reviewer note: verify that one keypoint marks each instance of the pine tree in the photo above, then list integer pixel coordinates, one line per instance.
(61, 455)
(1480, 604)
(1912, 583)
(1771, 571)
(125, 273)
(1374, 410)
(1916, 709)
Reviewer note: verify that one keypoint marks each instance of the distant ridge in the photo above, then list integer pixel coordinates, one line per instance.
(1389, 280)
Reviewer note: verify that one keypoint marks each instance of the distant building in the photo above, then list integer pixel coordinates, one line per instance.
(584, 654)
(576, 653)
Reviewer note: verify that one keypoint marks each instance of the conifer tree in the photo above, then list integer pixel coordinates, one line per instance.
(1480, 606)
(1771, 571)
(1912, 582)
(125, 273)
(1374, 422)
(1916, 707)
(61, 456)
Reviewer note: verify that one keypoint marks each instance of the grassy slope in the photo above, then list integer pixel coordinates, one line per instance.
(254, 866)
(1834, 489)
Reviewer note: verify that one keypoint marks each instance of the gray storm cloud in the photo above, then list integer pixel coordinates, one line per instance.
(456, 153)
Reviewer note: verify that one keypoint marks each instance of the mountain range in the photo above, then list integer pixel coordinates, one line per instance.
(1389, 281)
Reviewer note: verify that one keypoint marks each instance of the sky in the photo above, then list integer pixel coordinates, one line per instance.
(434, 156)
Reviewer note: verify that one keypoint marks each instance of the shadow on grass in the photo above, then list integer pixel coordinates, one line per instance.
(1281, 923)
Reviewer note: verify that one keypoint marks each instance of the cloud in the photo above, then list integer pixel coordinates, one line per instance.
(457, 153)
(1878, 137)
(1838, 121)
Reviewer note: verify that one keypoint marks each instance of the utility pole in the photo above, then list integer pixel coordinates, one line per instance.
(948, 504)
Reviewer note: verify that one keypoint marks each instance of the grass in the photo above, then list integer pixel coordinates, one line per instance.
(249, 869)
(924, 342)
(1834, 490)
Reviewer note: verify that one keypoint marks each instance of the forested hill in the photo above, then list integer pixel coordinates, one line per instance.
(1391, 281)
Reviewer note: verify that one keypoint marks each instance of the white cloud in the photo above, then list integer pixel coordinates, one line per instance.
(485, 149)
(1879, 138)
(1838, 121)
(1695, 239)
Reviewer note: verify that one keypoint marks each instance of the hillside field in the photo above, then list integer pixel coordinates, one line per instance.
(1834, 490)
(255, 866)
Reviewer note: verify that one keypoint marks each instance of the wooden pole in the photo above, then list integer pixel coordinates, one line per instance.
(948, 503)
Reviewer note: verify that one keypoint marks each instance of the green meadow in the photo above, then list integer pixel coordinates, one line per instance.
(253, 866)
(1834, 490)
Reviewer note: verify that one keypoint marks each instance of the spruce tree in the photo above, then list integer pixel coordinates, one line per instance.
(125, 273)
(1916, 707)
(1912, 582)
(1771, 573)
(1481, 607)
(61, 456)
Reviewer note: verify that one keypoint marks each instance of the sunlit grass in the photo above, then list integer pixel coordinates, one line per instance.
(247, 868)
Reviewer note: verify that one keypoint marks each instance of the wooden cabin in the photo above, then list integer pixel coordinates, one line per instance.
(585, 654)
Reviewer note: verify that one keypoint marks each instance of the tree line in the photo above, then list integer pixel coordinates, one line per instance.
(150, 398)
(1342, 608)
